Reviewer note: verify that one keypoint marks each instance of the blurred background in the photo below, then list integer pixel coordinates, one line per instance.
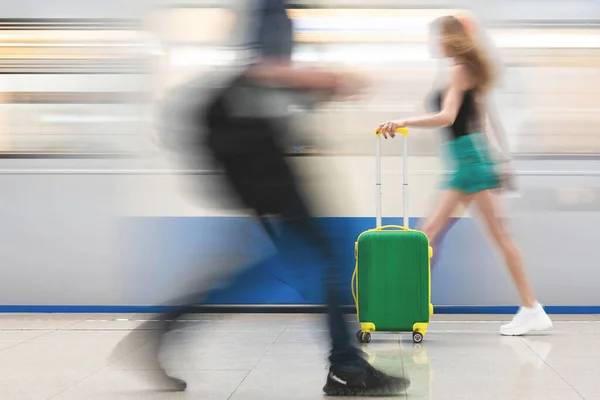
(77, 78)
(90, 196)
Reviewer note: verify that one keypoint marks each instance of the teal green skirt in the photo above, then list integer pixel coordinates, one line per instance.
(472, 165)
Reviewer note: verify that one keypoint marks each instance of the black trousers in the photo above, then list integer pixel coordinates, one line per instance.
(253, 159)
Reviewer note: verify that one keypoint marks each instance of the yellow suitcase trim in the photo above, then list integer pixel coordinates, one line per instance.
(368, 327)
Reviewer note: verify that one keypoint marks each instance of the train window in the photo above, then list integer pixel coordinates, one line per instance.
(548, 95)
(73, 87)
(83, 87)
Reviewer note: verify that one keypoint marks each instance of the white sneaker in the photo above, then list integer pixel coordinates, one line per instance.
(527, 320)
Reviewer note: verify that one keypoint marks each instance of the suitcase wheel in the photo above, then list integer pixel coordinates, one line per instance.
(363, 337)
(417, 337)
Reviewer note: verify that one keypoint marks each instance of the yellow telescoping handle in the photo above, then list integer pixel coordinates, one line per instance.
(402, 131)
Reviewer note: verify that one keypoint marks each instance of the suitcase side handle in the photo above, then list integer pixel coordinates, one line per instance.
(354, 283)
(354, 286)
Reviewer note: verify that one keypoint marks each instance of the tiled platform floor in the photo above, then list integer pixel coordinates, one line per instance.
(281, 357)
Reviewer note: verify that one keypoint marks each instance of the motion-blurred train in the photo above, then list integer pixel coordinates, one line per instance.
(92, 203)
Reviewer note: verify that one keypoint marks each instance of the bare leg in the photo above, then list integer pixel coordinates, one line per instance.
(445, 226)
(490, 210)
(446, 205)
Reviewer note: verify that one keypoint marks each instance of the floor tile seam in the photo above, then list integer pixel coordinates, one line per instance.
(107, 368)
(70, 324)
(187, 320)
(99, 330)
(25, 329)
(552, 369)
(471, 332)
(54, 396)
(30, 340)
(257, 362)
(157, 329)
(12, 344)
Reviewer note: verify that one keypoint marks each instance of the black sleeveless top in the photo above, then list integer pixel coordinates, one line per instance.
(466, 121)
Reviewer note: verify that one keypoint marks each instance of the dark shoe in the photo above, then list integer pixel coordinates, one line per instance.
(362, 380)
(150, 335)
(170, 384)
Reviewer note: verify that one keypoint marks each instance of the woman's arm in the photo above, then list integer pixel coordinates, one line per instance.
(459, 83)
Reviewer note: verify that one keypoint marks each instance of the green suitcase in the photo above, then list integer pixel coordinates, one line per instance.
(391, 284)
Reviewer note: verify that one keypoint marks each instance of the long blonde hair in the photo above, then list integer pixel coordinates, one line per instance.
(458, 38)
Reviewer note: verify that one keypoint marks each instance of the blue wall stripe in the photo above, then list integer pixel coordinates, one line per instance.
(568, 310)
